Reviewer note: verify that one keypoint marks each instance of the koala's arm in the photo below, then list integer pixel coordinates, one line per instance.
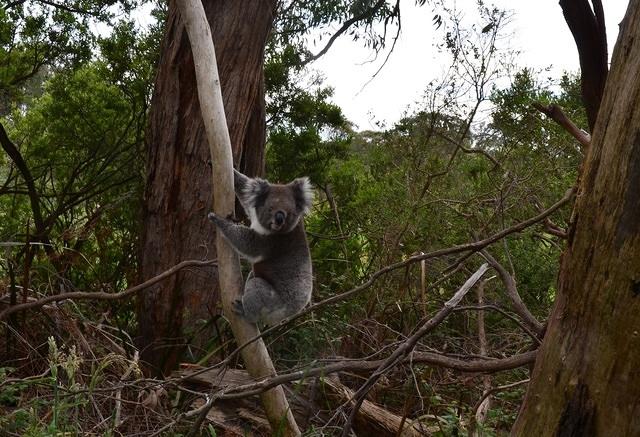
(244, 240)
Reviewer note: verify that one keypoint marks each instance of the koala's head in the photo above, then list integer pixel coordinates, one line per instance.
(274, 208)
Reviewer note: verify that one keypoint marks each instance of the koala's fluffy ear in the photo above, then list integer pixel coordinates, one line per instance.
(302, 193)
(240, 181)
(251, 192)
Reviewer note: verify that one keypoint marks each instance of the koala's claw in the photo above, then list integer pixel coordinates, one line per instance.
(215, 218)
(237, 307)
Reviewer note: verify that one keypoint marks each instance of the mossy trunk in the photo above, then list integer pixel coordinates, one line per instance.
(586, 380)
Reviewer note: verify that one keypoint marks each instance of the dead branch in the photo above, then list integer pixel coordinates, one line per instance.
(556, 113)
(408, 345)
(480, 414)
(84, 295)
(372, 419)
(512, 292)
(427, 358)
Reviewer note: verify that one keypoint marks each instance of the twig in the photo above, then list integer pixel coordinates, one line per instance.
(458, 144)
(494, 390)
(117, 422)
(524, 327)
(78, 295)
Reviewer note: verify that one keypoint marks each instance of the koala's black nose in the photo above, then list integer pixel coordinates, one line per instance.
(279, 218)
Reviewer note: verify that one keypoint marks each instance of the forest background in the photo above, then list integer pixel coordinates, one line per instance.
(477, 157)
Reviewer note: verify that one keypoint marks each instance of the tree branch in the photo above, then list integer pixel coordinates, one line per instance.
(512, 291)
(589, 32)
(509, 316)
(84, 295)
(345, 26)
(22, 166)
(429, 358)
(408, 345)
(555, 113)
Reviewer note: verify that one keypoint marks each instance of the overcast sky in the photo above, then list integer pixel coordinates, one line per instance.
(539, 33)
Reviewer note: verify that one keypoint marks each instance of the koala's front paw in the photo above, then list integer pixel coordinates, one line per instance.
(237, 307)
(215, 218)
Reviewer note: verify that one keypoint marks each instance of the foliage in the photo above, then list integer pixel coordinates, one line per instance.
(74, 104)
(300, 20)
(37, 37)
(77, 123)
(307, 133)
(439, 178)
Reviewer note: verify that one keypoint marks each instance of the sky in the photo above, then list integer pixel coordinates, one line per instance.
(539, 33)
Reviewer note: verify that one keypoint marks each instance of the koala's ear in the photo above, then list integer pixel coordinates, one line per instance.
(251, 192)
(302, 193)
(240, 181)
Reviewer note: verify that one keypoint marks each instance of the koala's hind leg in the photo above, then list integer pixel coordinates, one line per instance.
(260, 302)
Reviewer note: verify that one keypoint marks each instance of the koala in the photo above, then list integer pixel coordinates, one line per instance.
(280, 282)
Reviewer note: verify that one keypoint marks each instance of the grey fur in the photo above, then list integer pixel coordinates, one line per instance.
(280, 283)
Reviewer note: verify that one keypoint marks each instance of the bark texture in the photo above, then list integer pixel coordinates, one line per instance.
(586, 381)
(178, 194)
(255, 355)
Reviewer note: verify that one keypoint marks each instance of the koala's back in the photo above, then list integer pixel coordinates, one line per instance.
(287, 266)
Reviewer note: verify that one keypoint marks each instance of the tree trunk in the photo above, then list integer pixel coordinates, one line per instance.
(586, 381)
(178, 193)
(255, 355)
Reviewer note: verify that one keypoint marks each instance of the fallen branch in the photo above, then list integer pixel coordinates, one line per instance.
(491, 365)
(87, 295)
(409, 344)
(372, 419)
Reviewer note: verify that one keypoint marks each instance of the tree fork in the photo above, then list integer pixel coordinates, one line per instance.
(255, 355)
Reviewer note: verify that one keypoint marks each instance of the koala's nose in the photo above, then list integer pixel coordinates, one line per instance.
(279, 218)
